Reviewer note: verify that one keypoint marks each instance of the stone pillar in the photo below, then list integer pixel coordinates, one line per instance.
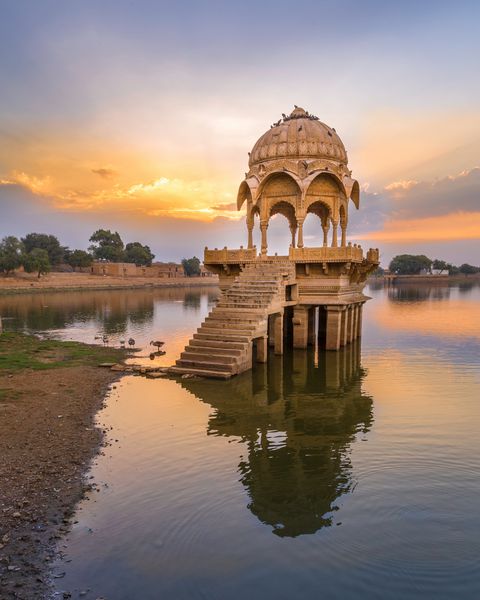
(262, 349)
(278, 333)
(312, 322)
(344, 327)
(325, 228)
(322, 326)
(335, 232)
(360, 316)
(334, 321)
(250, 233)
(300, 327)
(344, 235)
(356, 308)
(351, 323)
(300, 233)
(263, 229)
(271, 330)
(293, 231)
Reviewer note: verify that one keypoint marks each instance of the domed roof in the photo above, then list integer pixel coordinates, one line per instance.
(299, 135)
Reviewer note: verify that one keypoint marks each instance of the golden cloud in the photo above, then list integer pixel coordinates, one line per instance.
(449, 227)
(159, 197)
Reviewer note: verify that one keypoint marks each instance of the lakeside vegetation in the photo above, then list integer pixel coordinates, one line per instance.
(417, 264)
(21, 351)
(41, 252)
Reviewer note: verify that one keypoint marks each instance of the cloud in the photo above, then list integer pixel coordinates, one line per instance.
(105, 173)
(454, 226)
(413, 199)
(231, 206)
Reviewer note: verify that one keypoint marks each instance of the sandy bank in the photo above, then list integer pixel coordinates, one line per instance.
(58, 282)
(49, 394)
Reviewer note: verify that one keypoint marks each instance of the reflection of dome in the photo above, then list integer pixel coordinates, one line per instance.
(299, 135)
(297, 419)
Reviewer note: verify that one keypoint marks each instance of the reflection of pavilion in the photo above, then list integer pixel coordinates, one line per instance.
(297, 419)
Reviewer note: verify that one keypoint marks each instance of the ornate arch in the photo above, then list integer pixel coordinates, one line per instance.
(246, 191)
(280, 183)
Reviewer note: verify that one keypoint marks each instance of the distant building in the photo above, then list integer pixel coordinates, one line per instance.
(156, 270)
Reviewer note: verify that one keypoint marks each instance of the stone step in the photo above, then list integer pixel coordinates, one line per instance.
(218, 344)
(214, 350)
(225, 325)
(205, 358)
(233, 317)
(234, 305)
(224, 337)
(206, 364)
(200, 372)
(220, 331)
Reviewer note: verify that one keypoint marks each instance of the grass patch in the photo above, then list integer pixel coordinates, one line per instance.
(19, 351)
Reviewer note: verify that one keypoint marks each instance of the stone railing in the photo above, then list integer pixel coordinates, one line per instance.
(327, 254)
(226, 256)
(373, 255)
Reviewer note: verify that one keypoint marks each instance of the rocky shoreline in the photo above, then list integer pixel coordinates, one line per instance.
(48, 438)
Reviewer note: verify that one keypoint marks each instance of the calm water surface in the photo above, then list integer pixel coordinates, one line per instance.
(339, 476)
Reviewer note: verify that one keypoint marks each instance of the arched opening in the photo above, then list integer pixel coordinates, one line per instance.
(326, 189)
(317, 224)
(281, 235)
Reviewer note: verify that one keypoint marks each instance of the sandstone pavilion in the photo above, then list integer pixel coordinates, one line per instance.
(309, 296)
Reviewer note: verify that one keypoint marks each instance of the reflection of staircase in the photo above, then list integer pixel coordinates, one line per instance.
(222, 346)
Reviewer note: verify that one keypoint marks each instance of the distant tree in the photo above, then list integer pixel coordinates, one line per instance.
(36, 261)
(409, 264)
(138, 254)
(107, 246)
(47, 242)
(379, 272)
(467, 269)
(78, 258)
(441, 265)
(11, 250)
(191, 266)
(453, 270)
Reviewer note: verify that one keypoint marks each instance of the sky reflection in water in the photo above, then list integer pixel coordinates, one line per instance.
(340, 475)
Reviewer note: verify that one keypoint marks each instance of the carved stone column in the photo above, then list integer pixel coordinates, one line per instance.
(325, 227)
(250, 224)
(293, 231)
(344, 234)
(334, 236)
(263, 229)
(300, 233)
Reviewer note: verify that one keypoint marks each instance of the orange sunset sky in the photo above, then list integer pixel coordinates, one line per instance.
(138, 116)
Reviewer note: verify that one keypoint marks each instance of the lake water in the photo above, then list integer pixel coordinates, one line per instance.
(318, 475)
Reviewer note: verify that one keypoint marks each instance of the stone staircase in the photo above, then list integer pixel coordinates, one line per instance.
(222, 346)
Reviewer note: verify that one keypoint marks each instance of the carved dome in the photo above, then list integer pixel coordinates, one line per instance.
(299, 136)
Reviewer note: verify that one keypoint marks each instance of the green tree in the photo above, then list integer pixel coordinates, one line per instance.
(107, 245)
(191, 266)
(441, 265)
(467, 269)
(36, 261)
(47, 242)
(78, 258)
(409, 264)
(138, 254)
(11, 250)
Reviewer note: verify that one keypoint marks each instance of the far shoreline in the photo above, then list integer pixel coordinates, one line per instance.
(79, 282)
